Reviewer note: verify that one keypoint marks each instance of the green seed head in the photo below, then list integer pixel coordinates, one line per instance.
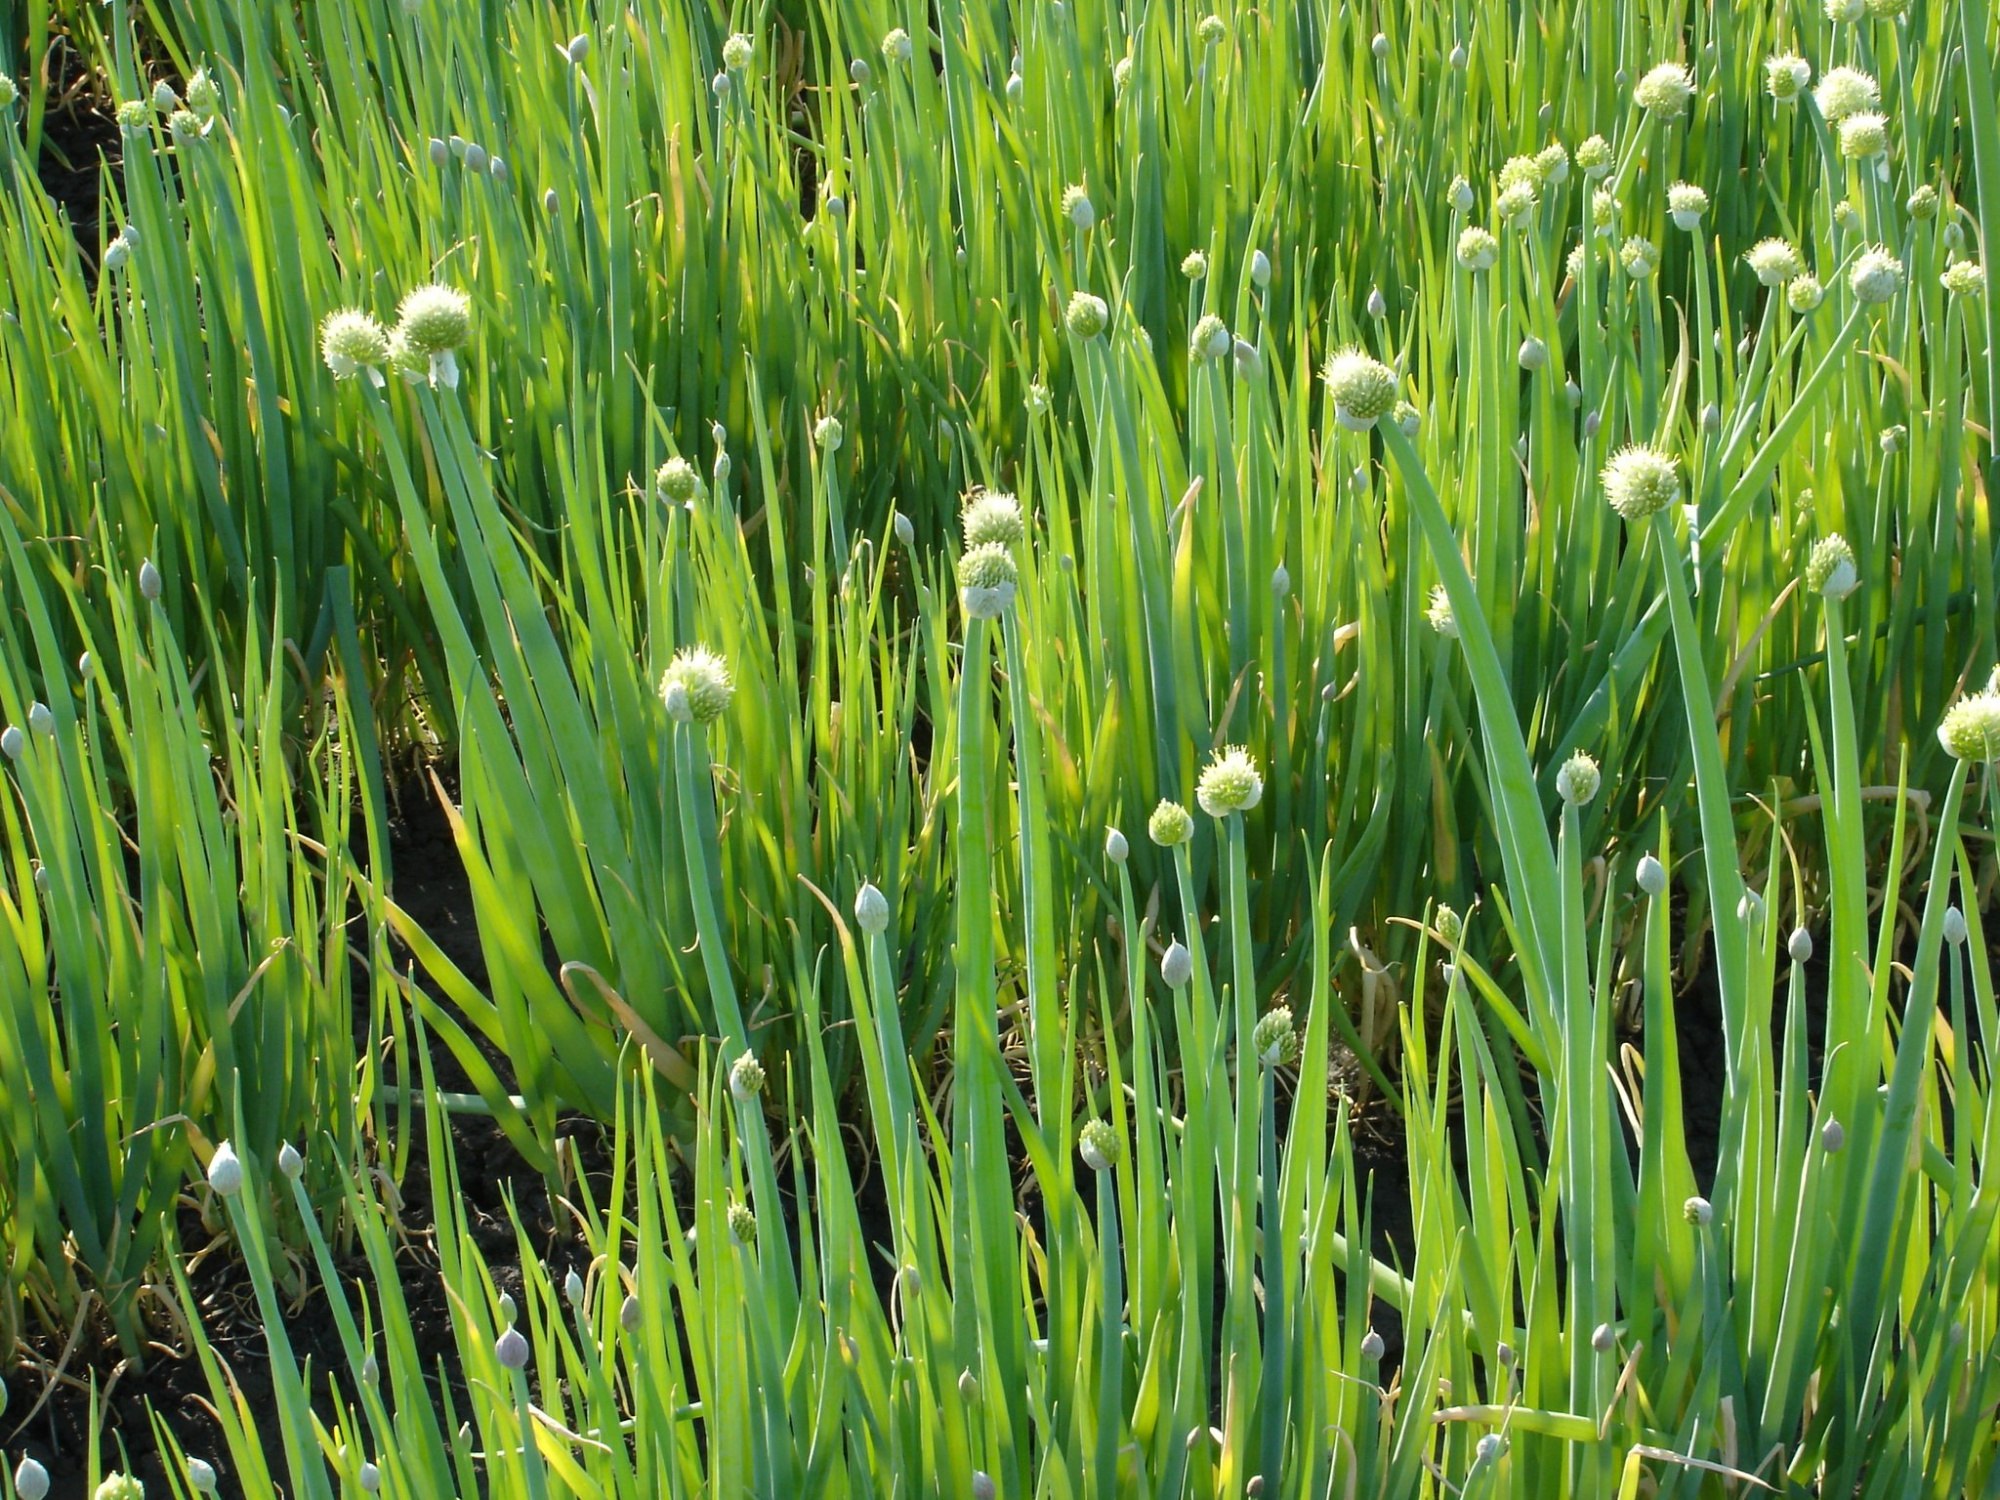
(992, 516)
(1639, 256)
(1697, 1212)
(1803, 293)
(1275, 1040)
(1516, 202)
(1640, 481)
(829, 434)
(133, 114)
(1687, 203)
(896, 46)
(1970, 729)
(986, 581)
(1774, 262)
(1665, 90)
(1438, 613)
(1830, 571)
(1594, 157)
(1170, 824)
(1923, 203)
(1578, 780)
(1846, 91)
(204, 95)
(1212, 31)
(1099, 1145)
(702, 679)
(186, 127)
(736, 51)
(1230, 784)
(1087, 316)
(1449, 925)
(677, 482)
(1211, 339)
(1963, 278)
(742, 1225)
(746, 1077)
(352, 341)
(1076, 207)
(1786, 76)
(434, 320)
(1194, 265)
(121, 1487)
(10, 91)
(1518, 170)
(1554, 162)
(1037, 399)
(1364, 389)
(1478, 250)
(1864, 135)
(1845, 12)
(1877, 276)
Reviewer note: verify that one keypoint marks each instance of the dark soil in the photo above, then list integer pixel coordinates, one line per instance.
(80, 144)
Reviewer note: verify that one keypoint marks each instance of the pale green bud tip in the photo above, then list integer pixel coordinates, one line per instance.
(896, 46)
(31, 1480)
(1087, 315)
(1275, 1039)
(1970, 729)
(290, 1162)
(1774, 261)
(150, 582)
(1786, 76)
(351, 343)
(1832, 1136)
(1364, 389)
(1099, 1145)
(1449, 925)
(1877, 276)
(1640, 481)
(746, 1078)
(1116, 848)
(120, 1487)
(1651, 875)
(1260, 268)
(986, 580)
(1846, 91)
(1578, 780)
(1170, 824)
(1830, 571)
(1864, 135)
(1954, 926)
(1176, 965)
(434, 320)
(1687, 203)
(1803, 293)
(677, 481)
(1194, 265)
(369, 1477)
(1076, 207)
(1230, 784)
(1963, 278)
(1210, 339)
(742, 1225)
(1372, 1347)
(201, 1476)
(992, 516)
(225, 1171)
(1602, 1339)
(1664, 90)
(736, 51)
(1478, 250)
(1438, 613)
(1594, 157)
(1697, 1211)
(1800, 946)
(697, 683)
(511, 1349)
(968, 1387)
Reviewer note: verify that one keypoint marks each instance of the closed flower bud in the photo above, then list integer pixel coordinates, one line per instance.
(1449, 924)
(1230, 784)
(1016, 85)
(1170, 825)
(1489, 1448)
(1963, 278)
(1640, 481)
(1786, 76)
(1371, 1346)
(1116, 849)
(165, 100)
(1459, 195)
(578, 48)
(1407, 419)
(982, 1485)
(1800, 946)
(1281, 582)
(992, 516)
(968, 1387)
(1970, 729)
(630, 1313)
(1210, 339)
(986, 581)
(1087, 315)
(225, 1171)
(1176, 965)
(1954, 926)
(1249, 363)
(896, 46)
(1846, 91)
(1378, 305)
(1076, 208)
(742, 1226)
(31, 1480)
(551, 202)
(41, 720)
(736, 50)
(746, 1078)
(1260, 268)
(353, 342)
(511, 1349)
(1830, 572)
(290, 1162)
(859, 71)
(1665, 90)
(1121, 74)
(1864, 135)
(1687, 203)
(201, 1476)
(1697, 1211)
(702, 678)
(1803, 294)
(1364, 389)
(476, 159)
(1578, 780)
(1602, 1338)
(1275, 1038)
(573, 1288)
(1478, 250)
(1458, 56)
(1099, 1145)
(369, 1477)
(371, 1372)
(1832, 1136)
(1533, 354)
(440, 153)
(1877, 276)
(1194, 265)
(1651, 875)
